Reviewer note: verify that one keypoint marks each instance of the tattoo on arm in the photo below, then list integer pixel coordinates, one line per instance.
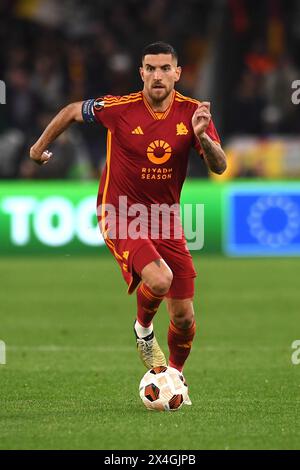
(207, 146)
(157, 262)
(213, 154)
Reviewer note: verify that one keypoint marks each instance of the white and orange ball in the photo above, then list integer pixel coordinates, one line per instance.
(163, 389)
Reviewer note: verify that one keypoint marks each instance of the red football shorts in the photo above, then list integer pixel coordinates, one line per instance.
(133, 255)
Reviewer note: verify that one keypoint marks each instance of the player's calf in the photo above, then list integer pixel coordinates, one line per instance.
(148, 348)
(181, 332)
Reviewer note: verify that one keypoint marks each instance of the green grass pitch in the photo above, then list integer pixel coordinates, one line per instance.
(72, 373)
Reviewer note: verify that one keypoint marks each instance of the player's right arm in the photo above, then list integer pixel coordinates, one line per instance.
(68, 115)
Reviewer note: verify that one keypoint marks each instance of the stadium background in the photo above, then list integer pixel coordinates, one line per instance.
(71, 375)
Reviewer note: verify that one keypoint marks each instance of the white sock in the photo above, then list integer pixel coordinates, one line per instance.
(141, 331)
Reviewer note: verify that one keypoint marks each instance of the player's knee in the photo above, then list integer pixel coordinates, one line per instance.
(183, 319)
(161, 283)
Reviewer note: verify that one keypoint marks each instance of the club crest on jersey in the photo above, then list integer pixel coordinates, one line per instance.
(159, 152)
(99, 104)
(181, 129)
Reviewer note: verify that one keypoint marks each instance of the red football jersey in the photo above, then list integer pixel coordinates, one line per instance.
(147, 152)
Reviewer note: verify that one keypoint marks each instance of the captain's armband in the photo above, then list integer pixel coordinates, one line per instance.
(90, 108)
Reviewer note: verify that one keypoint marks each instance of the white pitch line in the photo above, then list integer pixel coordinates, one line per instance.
(59, 348)
(55, 348)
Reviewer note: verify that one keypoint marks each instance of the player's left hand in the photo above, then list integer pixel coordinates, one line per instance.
(201, 118)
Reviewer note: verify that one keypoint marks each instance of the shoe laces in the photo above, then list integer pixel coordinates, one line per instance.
(146, 344)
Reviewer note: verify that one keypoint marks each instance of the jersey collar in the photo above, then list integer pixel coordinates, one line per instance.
(158, 116)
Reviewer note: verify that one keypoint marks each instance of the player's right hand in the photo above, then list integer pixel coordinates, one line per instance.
(40, 159)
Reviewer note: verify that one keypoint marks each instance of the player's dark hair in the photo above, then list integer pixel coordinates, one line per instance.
(159, 48)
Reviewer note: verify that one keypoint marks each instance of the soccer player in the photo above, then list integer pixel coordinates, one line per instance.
(149, 136)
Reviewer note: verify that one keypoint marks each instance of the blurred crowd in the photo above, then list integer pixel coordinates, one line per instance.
(241, 54)
(265, 45)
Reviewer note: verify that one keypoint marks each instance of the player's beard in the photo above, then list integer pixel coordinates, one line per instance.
(159, 97)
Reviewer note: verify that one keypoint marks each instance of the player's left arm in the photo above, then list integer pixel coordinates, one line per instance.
(213, 153)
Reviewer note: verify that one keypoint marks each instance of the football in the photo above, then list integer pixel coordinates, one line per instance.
(163, 389)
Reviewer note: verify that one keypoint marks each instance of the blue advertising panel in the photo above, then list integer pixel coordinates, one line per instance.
(262, 220)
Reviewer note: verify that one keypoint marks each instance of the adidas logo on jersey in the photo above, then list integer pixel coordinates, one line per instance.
(137, 130)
